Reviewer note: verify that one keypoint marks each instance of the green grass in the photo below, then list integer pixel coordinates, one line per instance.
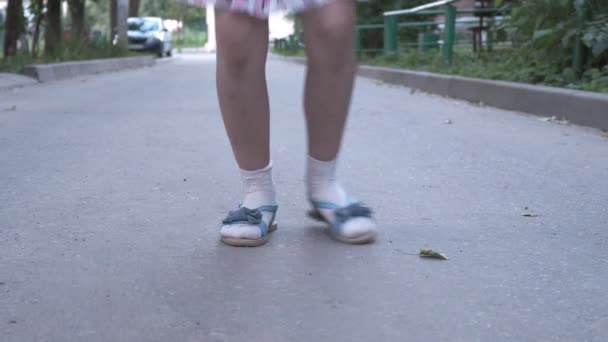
(191, 39)
(75, 52)
(501, 64)
(289, 53)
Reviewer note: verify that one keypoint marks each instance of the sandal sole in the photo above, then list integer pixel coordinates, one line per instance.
(236, 242)
(357, 240)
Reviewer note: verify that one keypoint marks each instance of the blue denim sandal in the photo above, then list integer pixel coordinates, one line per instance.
(343, 215)
(253, 217)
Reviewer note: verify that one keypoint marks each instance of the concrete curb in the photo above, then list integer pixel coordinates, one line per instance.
(57, 71)
(579, 107)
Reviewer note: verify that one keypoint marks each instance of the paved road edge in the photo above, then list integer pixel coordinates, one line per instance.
(10, 80)
(579, 107)
(58, 71)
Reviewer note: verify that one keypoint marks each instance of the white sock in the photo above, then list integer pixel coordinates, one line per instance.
(323, 186)
(258, 190)
(322, 182)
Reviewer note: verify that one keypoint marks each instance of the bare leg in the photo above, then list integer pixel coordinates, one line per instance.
(329, 35)
(242, 46)
(329, 39)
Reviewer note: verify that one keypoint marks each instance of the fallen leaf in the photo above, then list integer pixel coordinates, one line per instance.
(11, 108)
(429, 253)
(547, 119)
(448, 122)
(530, 215)
(379, 82)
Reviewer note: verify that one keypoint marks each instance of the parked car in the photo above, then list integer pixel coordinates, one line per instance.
(149, 34)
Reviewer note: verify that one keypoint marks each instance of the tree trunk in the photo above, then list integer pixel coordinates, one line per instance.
(14, 13)
(52, 39)
(113, 13)
(122, 13)
(134, 8)
(38, 21)
(77, 9)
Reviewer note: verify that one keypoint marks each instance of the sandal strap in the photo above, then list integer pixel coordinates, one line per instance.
(343, 213)
(325, 205)
(245, 215)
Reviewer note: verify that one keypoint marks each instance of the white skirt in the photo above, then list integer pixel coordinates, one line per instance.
(263, 8)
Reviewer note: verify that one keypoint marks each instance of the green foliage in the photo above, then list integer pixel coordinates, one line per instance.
(192, 38)
(491, 65)
(98, 15)
(159, 8)
(545, 33)
(192, 16)
(595, 34)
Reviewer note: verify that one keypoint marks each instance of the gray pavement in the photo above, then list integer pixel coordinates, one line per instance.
(112, 188)
(10, 80)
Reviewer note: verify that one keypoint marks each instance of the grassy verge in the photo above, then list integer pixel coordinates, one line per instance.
(289, 53)
(191, 39)
(500, 64)
(71, 53)
(496, 65)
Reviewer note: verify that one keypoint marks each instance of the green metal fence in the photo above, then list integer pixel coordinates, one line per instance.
(447, 43)
(429, 34)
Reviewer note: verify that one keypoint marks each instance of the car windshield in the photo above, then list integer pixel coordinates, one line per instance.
(143, 25)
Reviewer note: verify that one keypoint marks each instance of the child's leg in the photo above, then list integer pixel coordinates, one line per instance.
(242, 45)
(329, 38)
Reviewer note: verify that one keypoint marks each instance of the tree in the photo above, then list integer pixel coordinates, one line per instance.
(122, 14)
(14, 26)
(37, 9)
(113, 14)
(134, 8)
(77, 14)
(97, 13)
(160, 8)
(52, 38)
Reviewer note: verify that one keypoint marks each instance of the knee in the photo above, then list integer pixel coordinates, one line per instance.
(233, 61)
(242, 44)
(331, 44)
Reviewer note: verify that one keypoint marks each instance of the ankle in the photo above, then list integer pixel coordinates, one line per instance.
(258, 187)
(322, 183)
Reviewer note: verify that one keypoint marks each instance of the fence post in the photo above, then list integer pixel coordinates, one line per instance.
(293, 43)
(357, 40)
(449, 34)
(578, 60)
(490, 38)
(390, 35)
